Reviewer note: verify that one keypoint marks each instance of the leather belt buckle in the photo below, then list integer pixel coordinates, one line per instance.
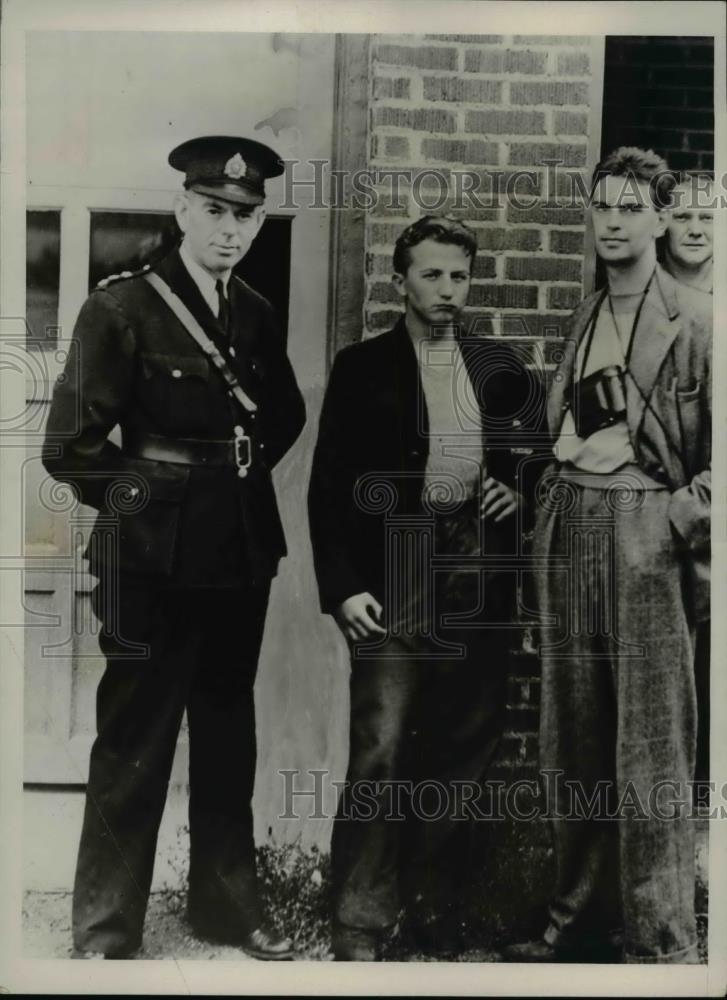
(243, 451)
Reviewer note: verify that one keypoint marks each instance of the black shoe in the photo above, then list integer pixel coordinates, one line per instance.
(541, 951)
(262, 943)
(354, 944)
(267, 946)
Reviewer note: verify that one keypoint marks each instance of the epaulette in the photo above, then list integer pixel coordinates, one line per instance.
(122, 276)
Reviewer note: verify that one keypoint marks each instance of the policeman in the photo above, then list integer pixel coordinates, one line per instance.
(187, 359)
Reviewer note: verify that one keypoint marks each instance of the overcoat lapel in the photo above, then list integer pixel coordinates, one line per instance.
(560, 389)
(657, 329)
(411, 404)
(656, 332)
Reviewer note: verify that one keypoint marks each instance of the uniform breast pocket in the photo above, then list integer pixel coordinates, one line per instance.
(177, 391)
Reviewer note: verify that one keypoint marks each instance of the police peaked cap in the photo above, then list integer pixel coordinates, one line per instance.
(226, 167)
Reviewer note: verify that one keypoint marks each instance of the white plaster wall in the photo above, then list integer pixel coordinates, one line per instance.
(103, 111)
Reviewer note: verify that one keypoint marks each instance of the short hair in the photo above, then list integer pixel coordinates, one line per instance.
(441, 229)
(698, 181)
(639, 165)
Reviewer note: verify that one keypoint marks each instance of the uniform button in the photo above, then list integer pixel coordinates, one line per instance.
(177, 373)
(232, 352)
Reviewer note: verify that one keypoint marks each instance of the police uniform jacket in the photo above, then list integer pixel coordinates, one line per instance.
(131, 362)
(372, 450)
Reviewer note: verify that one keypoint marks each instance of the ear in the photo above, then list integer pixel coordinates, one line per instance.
(259, 214)
(181, 209)
(398, 282)
(663, 220)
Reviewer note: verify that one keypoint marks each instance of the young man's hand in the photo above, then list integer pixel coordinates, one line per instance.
(356, 617)
(498, 501)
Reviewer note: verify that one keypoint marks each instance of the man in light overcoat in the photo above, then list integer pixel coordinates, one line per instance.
(622, 543)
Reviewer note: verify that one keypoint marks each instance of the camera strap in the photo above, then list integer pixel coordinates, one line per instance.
(594, 320)
(627, 357)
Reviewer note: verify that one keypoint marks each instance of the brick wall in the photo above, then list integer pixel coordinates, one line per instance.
(659, 92)
(489, 104)
(494, 106)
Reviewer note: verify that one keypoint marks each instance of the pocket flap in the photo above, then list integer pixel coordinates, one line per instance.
(175, 366)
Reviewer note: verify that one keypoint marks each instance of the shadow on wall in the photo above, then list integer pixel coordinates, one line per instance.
(302, 685)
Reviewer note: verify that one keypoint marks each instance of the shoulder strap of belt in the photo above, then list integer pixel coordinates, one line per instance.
(197, 334)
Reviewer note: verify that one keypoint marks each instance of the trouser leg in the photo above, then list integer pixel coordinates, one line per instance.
(577, 724)
(640, 705)
(656, 741)
(459, 721)
(140, 703)
(221, 715)
(365, 843)
(701, 677)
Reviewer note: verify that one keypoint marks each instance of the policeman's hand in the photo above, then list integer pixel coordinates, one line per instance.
(355, 620)
(498, 500)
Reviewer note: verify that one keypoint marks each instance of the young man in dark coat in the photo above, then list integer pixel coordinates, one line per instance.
(414, 463)
(186, 542)
(622, 540)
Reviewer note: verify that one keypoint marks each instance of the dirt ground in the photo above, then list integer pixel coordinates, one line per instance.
(296, 886)
(47, 934)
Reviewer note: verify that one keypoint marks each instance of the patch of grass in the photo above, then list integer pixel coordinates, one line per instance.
(296, 886)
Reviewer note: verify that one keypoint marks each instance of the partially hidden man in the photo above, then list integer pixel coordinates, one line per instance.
(413, 457)
(188, 360)
(688, 256)
(622, 542)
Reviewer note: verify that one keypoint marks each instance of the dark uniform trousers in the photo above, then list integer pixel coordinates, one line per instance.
(203, 645)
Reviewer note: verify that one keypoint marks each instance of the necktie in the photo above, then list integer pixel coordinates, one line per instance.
(224, 313)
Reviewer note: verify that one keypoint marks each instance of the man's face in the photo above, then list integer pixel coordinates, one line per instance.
(217, 233)
(625, 222)
(689, 228)
(437, 282)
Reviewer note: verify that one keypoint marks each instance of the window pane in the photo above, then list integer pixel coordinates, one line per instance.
(42, 271)
(124, 241)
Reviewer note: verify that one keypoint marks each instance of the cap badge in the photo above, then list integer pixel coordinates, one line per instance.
(235, 167)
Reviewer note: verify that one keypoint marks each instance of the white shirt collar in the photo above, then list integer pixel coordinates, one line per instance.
(204, 280)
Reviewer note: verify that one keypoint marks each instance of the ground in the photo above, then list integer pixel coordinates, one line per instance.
(296, 887)
(47, 934)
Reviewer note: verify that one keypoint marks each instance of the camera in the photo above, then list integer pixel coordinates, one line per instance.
(600, 400)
